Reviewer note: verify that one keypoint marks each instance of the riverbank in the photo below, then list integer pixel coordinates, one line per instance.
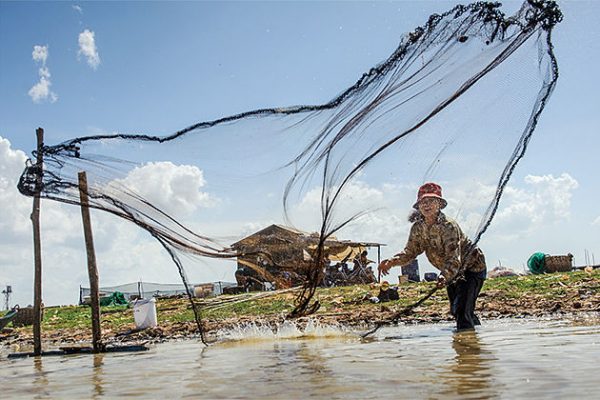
(558, 294)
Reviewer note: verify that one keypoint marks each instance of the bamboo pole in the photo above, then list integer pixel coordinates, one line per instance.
(37, 249)
(91, 262)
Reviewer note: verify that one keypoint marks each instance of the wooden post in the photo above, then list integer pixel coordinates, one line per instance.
(378, 262)
(37, 249)
(91, 261)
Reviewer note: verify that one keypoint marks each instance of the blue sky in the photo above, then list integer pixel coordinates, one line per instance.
(162, 66)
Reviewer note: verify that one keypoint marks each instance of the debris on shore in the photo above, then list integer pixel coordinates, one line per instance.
(558, 294)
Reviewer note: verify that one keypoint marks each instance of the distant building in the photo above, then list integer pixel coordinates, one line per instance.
(148, 289)
(279, 255)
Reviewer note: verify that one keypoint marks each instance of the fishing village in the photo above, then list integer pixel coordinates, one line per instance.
(552, 287)
(299, 200)
(572, 295)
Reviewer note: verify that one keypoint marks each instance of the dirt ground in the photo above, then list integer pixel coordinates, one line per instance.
(560, 296)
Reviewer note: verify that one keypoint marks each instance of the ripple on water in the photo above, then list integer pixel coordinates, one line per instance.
(512, 358)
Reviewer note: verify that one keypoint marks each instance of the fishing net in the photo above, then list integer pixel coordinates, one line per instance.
(456, 103)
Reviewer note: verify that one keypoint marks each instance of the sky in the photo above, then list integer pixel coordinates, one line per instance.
(86, 68)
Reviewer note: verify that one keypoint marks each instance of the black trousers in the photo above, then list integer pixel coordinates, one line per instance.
(463, 295)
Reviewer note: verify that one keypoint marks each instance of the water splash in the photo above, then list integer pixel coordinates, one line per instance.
(286, 330)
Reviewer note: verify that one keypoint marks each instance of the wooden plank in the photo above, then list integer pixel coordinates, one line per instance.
(63, 351)
(91, 262)
(37, 249)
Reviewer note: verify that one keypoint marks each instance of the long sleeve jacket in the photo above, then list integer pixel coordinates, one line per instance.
(445, 245)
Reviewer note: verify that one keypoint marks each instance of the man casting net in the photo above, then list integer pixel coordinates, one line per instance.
(456, 103)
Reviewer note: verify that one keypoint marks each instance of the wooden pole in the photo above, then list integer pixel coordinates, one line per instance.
(37, 249)
(378, 262)
(91, 261)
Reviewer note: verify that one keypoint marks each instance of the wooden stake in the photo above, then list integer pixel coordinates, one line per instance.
(37, 249)
(91, 258)
(378, 262)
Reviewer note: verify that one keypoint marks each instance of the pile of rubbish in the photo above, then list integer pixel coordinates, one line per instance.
(502, 271)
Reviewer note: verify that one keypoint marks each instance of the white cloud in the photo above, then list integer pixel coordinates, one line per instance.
(537, 204)
(124, 252)
(41, 90)
(596, 222)
(357, 197)
(546, 199)
(554, 193)
(176, 189)
(40, 54)
(16, 256)
(44, 73)
(77, 8)
(11, 165)
(87, 47)
(534, 215)
(536, 201)
(386, 221)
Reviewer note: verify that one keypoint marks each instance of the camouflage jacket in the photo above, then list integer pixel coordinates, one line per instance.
(445, 245)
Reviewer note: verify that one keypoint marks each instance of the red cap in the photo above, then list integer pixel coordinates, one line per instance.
(430, 189)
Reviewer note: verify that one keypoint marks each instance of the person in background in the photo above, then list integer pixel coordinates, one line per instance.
(362, 272)
(362, 261)
(462, 265)
(387, 293)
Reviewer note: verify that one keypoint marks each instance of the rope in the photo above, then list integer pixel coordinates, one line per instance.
(406, 310)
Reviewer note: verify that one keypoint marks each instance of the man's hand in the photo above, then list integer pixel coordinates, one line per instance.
(441, 282)
(386, 265)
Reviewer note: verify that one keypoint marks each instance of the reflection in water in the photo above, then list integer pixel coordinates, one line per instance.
(294, 365)
(508, 359)
(470, 374)
(312, 369)
(198, 376)
(40, 379)
(97, 375)
(314, 363)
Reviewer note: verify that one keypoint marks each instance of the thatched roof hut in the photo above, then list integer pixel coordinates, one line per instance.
(279, 248)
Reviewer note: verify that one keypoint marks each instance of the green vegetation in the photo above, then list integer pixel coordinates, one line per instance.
(79, 317)
(549, 286)
(528, 295)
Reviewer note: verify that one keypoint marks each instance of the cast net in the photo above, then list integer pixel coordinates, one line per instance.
(456, 103)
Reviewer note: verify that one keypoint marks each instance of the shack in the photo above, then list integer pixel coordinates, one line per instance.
(278, 257)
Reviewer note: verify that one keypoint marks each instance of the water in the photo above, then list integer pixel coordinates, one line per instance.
(533, 359)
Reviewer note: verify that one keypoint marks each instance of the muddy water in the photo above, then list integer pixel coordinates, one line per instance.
(504, 359)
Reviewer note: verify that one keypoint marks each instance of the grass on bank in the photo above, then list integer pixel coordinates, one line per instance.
(333, 300)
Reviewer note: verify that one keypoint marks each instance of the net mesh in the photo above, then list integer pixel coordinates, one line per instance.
(457, 102)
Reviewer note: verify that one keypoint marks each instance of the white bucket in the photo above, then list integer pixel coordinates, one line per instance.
(144, 313)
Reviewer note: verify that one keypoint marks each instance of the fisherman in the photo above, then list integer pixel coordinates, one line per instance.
(462, 264)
